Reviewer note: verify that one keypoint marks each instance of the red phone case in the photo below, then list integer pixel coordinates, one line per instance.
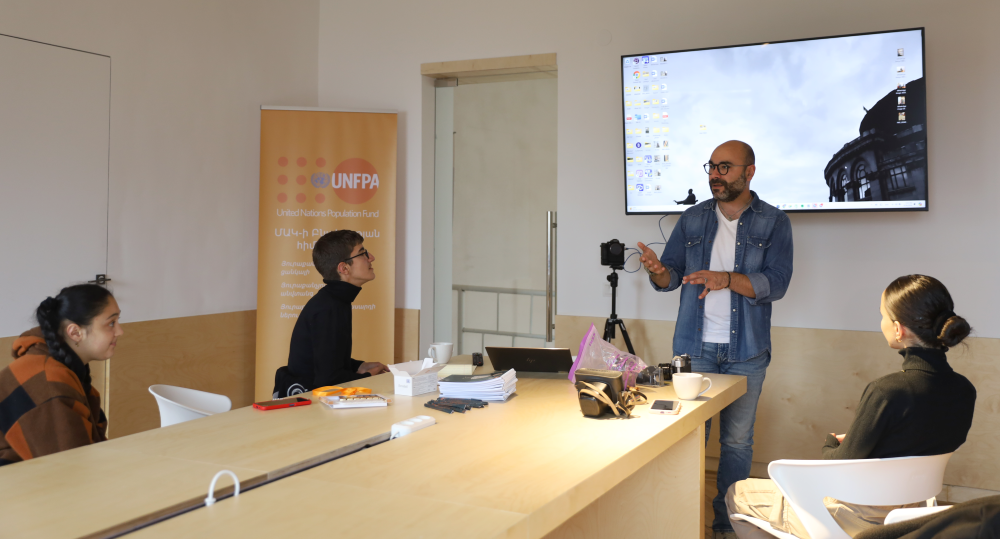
(258, 405)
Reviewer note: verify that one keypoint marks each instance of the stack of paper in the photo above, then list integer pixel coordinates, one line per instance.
(495, 387)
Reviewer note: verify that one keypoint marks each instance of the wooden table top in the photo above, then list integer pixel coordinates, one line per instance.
(534, 455)
(516, 469)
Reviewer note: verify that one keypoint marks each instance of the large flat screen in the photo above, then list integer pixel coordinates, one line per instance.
(837, 123)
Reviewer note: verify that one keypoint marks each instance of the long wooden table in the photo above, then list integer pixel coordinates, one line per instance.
(530, 467)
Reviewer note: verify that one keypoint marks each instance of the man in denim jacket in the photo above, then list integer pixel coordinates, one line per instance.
(733, 253)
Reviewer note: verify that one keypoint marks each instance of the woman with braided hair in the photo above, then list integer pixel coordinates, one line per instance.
(923, 409)
(47, 403)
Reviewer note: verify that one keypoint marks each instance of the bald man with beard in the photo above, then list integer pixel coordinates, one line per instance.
(731, 256)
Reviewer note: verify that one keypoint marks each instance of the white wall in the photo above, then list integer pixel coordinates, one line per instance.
(188, 80)
(842, 261)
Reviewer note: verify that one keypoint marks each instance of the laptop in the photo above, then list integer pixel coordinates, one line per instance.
(530, 359)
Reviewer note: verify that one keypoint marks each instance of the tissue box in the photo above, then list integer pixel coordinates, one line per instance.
(416, 377)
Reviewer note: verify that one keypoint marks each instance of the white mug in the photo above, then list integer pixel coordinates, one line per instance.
(440, 351)
(688, 385)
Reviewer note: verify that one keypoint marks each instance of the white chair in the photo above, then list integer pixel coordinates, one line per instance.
(805, 483)
(180, 404)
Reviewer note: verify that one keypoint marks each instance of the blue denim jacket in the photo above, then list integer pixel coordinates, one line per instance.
(763, 254)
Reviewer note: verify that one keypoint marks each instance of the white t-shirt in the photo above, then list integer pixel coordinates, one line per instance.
(718, 303)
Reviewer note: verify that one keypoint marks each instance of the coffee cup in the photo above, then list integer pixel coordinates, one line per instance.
(440, 352)
(688, 385)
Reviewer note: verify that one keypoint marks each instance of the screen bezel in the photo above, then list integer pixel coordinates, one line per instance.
(923, 60)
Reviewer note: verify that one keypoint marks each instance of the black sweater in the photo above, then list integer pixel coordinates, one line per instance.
(925, 409)
(320, 349)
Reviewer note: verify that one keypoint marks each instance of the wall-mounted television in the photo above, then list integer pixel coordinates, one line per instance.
(837, 123)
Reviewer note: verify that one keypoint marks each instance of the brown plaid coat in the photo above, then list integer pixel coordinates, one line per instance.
(42, 406)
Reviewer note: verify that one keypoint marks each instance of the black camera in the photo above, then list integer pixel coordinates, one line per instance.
(613, 254)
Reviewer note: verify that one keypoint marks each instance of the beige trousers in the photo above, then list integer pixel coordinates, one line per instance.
(760, 498)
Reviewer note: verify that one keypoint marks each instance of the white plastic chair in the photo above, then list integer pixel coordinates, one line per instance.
(180, 404)
(805, 483)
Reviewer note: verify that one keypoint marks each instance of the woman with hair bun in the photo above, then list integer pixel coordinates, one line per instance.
(924, 409)
(47, 403)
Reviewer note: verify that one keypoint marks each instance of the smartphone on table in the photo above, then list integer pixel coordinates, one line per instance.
(665, 407)
(290, 402)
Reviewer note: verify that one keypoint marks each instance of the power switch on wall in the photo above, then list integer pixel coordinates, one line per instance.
(410, 426)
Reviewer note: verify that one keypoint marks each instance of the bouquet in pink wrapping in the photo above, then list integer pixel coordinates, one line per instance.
(595, 353)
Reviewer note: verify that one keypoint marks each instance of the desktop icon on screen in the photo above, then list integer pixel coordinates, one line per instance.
(645, 60)
(899, 52)
(636, 75)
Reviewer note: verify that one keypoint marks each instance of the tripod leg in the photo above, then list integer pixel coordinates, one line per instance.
(628, 342)
(609, 329)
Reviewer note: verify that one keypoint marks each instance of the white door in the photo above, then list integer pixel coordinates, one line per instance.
(54, 129)
(495, 183)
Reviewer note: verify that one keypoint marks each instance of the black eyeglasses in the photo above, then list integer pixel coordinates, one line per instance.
(723, 168)
(364, 253)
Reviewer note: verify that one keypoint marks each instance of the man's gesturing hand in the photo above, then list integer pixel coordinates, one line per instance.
(713, 280)
(650, 260)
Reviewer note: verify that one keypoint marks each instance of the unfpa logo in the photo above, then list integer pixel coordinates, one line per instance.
(320, 180)
(355, 180)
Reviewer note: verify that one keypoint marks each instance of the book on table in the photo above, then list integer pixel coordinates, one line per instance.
(493, 387)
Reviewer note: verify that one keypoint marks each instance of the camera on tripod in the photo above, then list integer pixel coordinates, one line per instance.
(613, 254)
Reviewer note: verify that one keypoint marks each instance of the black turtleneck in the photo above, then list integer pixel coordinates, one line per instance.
(320, 349)
(925, 409)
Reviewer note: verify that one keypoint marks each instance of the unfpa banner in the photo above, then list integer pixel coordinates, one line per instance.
(322, 171)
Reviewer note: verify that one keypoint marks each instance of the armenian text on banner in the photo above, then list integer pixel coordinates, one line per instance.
(322, 171)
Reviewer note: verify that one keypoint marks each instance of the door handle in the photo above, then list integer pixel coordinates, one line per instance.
(100, 279)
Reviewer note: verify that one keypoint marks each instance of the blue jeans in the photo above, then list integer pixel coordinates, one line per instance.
(735, 421)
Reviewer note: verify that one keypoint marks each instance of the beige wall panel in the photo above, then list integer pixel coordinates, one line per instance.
(5, 347)
(815, 381)
(407, 329)
(212, 353)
